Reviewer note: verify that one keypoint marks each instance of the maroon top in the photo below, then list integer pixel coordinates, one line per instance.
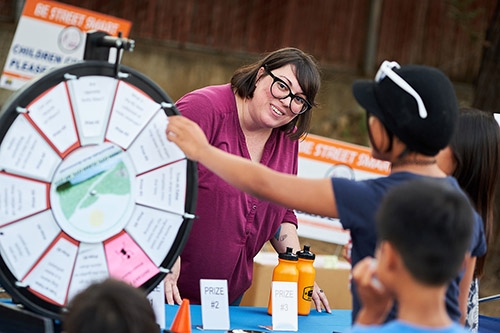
(231, 226)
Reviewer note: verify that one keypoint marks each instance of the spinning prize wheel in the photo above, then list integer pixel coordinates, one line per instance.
(89, 185)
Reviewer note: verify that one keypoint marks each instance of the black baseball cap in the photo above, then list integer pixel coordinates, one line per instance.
(425, 130)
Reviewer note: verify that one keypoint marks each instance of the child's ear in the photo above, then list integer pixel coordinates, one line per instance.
(390, 257)
(381, 255)
(380, 139)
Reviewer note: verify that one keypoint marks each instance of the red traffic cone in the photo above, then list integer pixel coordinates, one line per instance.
(182, 320)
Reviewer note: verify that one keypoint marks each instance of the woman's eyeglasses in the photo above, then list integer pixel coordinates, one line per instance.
(386, 70)
(281, 90)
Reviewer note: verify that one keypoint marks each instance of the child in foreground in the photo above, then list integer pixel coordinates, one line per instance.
(411, 115)
(424, 230)
(110, 306)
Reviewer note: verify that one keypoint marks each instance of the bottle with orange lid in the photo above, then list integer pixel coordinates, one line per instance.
(307, 276)
(286, 271)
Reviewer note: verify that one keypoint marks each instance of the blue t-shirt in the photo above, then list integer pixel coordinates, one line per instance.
(357, 203)
(398, 326)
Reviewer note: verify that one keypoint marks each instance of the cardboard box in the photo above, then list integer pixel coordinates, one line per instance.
(332, 275)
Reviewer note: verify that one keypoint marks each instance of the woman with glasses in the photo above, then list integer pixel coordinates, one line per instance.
(259, 115)
(412, 113)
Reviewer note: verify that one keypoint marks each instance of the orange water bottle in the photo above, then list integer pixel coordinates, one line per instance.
(286, 271)
(307, 276)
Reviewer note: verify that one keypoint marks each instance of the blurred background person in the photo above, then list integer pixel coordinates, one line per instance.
(472, 157)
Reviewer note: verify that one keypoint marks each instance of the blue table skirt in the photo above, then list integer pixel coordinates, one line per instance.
(252, 318)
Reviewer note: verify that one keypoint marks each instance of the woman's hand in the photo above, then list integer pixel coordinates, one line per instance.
(320, 300)
(172, 295)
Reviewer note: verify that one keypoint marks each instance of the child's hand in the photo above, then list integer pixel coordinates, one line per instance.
(375, 299)
(187, 135)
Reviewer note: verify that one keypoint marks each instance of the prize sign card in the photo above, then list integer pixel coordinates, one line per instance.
(157, 299)
(285, 306)
(214, 304)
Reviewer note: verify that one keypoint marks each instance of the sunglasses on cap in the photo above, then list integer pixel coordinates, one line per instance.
(386, 70)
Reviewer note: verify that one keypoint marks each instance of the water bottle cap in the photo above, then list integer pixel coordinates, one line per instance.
(306, 253)
(288, 255)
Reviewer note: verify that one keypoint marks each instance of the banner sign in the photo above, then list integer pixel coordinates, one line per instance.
(322, 157)
(51, 34)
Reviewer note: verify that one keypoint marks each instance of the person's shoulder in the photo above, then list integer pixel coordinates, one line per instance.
(397, 326)
(456, 328)
(366, 328)
(403, 176)
(212, 93)
(454, 183)
(389, 327)
(381, 184)
(207, 104)
(406, 327)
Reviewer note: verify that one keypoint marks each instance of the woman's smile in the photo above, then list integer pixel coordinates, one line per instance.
(277, 111)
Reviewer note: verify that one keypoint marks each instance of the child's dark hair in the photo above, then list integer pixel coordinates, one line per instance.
(430, 224)
(110, 306)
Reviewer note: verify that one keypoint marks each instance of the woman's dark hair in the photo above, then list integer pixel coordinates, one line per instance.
(110, 306)
(475, 148)
(308, 76)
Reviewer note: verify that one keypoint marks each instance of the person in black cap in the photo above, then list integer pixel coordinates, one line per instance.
(411, 111)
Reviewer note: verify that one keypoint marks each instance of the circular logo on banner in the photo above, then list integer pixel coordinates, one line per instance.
(70, 39)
